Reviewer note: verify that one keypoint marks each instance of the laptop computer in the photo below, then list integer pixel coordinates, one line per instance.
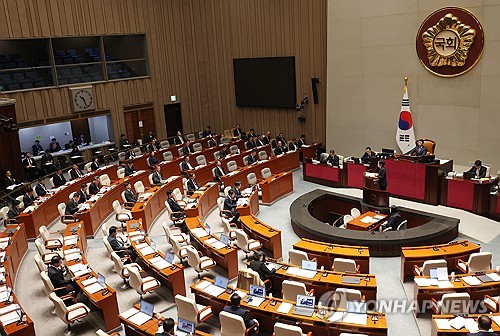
(439, 273)
(304, 305)
(309, 265)
(388, 151)
(224, 239)
(256, 292)
(101, 280)
(208, 229)
(355, 160)
(469, 176)
(152, 243)
(169, 257)
(146, 308)
(185, 326)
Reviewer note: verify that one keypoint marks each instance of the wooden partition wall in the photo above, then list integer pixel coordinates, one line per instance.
(191, 46)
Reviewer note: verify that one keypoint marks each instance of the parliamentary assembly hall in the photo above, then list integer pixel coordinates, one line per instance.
(249, 167)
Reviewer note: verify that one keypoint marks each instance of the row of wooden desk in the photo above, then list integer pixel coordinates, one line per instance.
(436, 331)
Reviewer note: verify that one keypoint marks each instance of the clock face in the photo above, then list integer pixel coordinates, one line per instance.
(83, 99)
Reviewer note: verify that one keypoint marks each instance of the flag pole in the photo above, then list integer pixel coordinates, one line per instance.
(406, 83)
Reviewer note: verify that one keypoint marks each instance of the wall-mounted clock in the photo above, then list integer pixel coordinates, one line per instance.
(82, 98)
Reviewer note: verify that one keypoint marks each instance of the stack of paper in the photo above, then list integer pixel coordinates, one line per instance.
(139, 318)
(72, 256)
(94, 288)
(214, 290)
(199, 232)
(458, 322)
(368, 220)
(471, 280)
(73, 250)
(126, 314)
(9, 318)
(147, 250)
(301, 272)
(284, 307)
(89, 281)
(355, 318)
(426, 282)
(141, 246)
(159, 263)
(493, 276)
(471, 325)
(8, 309)
(442, 324)
(445, 284)
(203, 284)
(79, 269)
(70, 240)
(337, 316)
(256, 301)
(496, 319)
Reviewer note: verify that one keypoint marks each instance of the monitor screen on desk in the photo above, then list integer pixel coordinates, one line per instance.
(101, 279)
(224, 239)
(146, 308)
(257, 291)
(208, 229)
(306, 301)
(221, 281)
(309, 265)
(185, 326)
(169, 257)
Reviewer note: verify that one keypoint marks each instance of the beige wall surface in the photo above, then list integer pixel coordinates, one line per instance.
(371, 48)
(191, 46)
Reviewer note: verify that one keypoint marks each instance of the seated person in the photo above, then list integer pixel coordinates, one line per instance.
(252, 134)
(95, 164)
(55, 272)
(30, 167)
(124, 142)
(207, 132)
(76, 155)
(186, 165)
(419, 149)
(478, 170)
(129, 168)
(252, 158)
(293, 145)
(40, 188)
(223, 152)
(267, 138)
(75, 172)
(130, 155)
(393, 221)
(185, 148)
(58, 179)
(177, 210)
(9, 180)
(166, 328)
(218, 171)
(368, 155)
(82, 141)
(279, 149)
(69, 145)
(54, 146)
(130, 195)
(152, 160)
(120, 248)
(28, 198)
(230, 205)
(484, 323)
(156, 176)
(281, 138)
(83, 192)
(211, 142)
(15, 210)
(235, 308)
(302, 141)
(150, 137)
(179, 138)
(72, 205)
(332, 159)
(192, 185)
(260, 141)
(258, 264)
(237, 131)
(48, 163)
(95, 186)
(250, 144)
(237, 189)
(37, 149)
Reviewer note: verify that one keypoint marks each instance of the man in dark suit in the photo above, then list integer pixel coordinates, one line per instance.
(185, 165)
(30, 167)
(156, 177)
(237, 132)
(149, 137)
(260, 141)
(14, 211)
(94, 186)
(123, 142)
(95, 164)
(478, 171)
(207, 132)
(58, 178)
(332, 159)
(119, 247)
(252, 158)
(177, 212)
(230, 205)
(69, 145)
(393, 221)
(250, 144)
(56, 275)
(484, 322)
(129, 168)
(72, 205)
(419, 149)
(48, 162)
(211, 142)
(279, 149)
(130, 196)
(40, 188)
(83, 193)
(82, 141)
(185, 148)
(37, 149)
(382, 175)
(152, 160)
(368, 155)
(75, 172)
(281, 138)
(235, 309)
(54, 145)
(167, 326)
(130, 155)
(192, 185)
(251, 133)
(28, 198)
(258, 264)
(293, 145)
(267, 138)
(223, 152)
(179, 138)
(302, 141)
(9, 180)
(218, 171)
(237, 189)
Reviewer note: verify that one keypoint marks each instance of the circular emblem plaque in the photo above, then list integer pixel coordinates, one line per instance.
(450, 42)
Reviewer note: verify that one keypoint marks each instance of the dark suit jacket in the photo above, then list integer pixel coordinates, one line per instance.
(418, 151)
(222, 154)
(83, 196)
(148, 138)
(130, 155)
(266, 140)
(115, 244)
(157, 179)
(237, 192)
(174, 206)
(152, 161)
(219, 172)
(28, 200)
(94, 166)
(130, 196)
(482, 333)
(71, 207)
(93, 189)
(179, 140)
(13, 213)
(279, 150)
(206, 133)
(367, 157)
(212, 142)
(250, 145)
(129, 170)
(261, 268)
(186, 150)
(237, 132)
(192, 185)
(40, 189)
(382, 178)
(292, 146)
(245, 314)
(27, 162)
(58, 180)
(251, 159)
(7, 182)
(74, 173)
(394, 221)
(123, 144)
(482, 171)
(47, 158)
(185, 166)
(301, 143)
(37, 149)
(56, 276)
(259, 142)
(333, 160)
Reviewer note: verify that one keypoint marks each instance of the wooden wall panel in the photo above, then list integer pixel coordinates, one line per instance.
(191, 46)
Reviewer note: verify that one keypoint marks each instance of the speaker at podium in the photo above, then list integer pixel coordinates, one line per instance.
(372, 195)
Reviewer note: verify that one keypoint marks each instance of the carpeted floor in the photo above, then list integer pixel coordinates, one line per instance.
(29, 288)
